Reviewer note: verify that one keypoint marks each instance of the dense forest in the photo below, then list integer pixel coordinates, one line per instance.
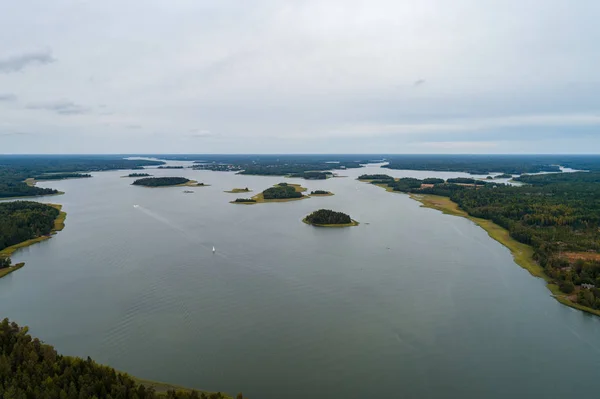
(160, 181)
(23, 220)
(375, 177)
(14, 169)
(464, 180)
(313, 175)
(327, 217)
(557, 214)
(30, 369)
(61, 176)
(281, 191)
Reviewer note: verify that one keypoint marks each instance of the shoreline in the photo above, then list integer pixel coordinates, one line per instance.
(161, 388)
(59, 224)
(352, 224)
(522, 254)
(32, 196)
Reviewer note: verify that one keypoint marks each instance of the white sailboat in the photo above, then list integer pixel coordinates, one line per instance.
(214, 250)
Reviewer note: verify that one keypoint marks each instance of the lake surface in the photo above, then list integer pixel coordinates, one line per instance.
(410, 304)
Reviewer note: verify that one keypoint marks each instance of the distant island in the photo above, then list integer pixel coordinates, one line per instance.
(312, 175)
(504, 176)
(320, 193)
(375, 177)
(239, 190)
(61, 176)
(166, 182)
(170, 167)
(279, 193)
(329, 218)
(138, 175)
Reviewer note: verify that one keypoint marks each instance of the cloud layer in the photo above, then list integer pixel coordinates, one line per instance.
(309, 76)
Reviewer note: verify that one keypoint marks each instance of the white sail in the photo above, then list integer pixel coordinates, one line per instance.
(214, 250)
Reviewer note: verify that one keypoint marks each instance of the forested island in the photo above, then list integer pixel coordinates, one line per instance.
(23, 223)
(139, 175)
(170, 167)
(504, 176)
(16, 169)
(329, 218)
(62, 176)
(279, 193)
(312, 175)
(30, 369)
(553, 221)
(165, 182)
(320, 193)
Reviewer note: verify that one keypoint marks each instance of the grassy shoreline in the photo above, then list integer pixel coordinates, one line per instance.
(522, 253)
(59, 224)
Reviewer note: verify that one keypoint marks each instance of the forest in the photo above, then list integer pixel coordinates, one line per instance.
(245, 200)
(327, 217)
(14, 169)
(557, 214)
(313, 175)
(319, 192)
(139, 175)
(24, 220)
(375, 177)
(281, 191)
(170, 167)
(61, 176)
(160, 181)
(30, 369)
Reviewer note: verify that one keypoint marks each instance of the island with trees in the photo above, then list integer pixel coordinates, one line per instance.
(166, 182)
(504, 176)
(329, 218)
(239, 190)
(138, 175)
(278, 193)
(170, 167)
(17, 171)
(23, 223)
(30, 368)
(320, 193)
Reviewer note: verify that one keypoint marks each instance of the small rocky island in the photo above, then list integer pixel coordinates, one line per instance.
(166, 182)
(239, 190)
(329, 218)
(320, 193)
(279, 193)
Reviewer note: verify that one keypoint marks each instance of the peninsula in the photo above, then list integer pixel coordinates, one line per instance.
(25, 223)
(329, 218)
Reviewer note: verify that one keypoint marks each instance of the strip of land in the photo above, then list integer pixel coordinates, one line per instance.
(59, 224)
(522, 253)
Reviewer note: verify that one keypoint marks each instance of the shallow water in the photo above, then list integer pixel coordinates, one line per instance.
(410, 304)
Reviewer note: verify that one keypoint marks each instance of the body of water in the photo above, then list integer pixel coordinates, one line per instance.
(410, 304)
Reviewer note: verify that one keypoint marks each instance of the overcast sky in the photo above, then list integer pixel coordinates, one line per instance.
(303, 76)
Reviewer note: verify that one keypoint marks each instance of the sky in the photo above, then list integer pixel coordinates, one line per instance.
(300, 76)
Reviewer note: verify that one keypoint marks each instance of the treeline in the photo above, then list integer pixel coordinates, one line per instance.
(30, 369)
(245, 200)
(160, 181)
(375, 177)
(281, 191)
(170, 167)
(61, 176)
(327, 216)
(24, 220)
(319, 192)
(557, 214)
(313, 175)
(139, 175)
(14, 169)
(464, 180)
